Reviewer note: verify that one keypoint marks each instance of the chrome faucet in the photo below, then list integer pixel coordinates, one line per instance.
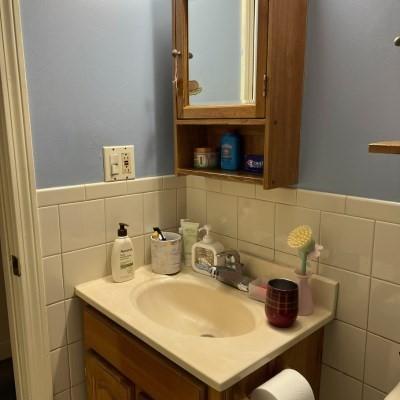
(232, 271)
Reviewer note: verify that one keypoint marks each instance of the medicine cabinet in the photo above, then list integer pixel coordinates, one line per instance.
(238, 66)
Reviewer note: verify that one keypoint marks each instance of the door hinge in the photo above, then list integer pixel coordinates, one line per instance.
(265, 88)
(16, 267)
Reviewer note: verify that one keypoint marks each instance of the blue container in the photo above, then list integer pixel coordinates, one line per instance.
(230, 151)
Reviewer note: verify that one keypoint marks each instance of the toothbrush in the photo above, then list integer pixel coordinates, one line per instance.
(301, 239)
(160, 234)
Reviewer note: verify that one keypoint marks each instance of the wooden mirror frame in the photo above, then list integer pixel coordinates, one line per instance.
(181, 44)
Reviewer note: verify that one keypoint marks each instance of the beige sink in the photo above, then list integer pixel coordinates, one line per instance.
(194, 309)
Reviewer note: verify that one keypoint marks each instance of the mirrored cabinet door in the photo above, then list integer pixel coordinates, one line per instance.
(220, 58)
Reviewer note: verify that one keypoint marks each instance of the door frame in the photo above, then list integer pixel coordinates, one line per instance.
(19, 228)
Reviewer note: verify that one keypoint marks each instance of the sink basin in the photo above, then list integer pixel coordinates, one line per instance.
(194, 309)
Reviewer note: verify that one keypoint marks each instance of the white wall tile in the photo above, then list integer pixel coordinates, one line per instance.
(196, 205)
(227, 242)
(347, 242)
(288, 218)
(49, 231)
(79, 392)
(174, 182)
(63, 395)
(384, 318)
(344, 347)
(57, 325)
(382, 364)
(76, 363)
(256, 222)
(338, 386)
(181, 205)
(53, 278)
(280, 195)
(372, 394)
(74, 313)
(105, 189)
(239, 189)
(293, 261)
(213, 185)
(144, 185)
(321, 201)
(386, 260)
(60, 370)
(82, 224)
(147, 250)
(60, 195)
(353, 299)
(127, 209)
(222, 214)
(255, 250)
(82, 266)
(196, 182)
(375, 209)
(159, 210)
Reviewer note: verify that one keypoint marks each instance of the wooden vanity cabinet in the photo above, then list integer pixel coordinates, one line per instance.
(269, 125)
(104, 382)
(119, 366)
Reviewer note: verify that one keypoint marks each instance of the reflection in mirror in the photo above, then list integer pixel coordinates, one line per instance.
(222, 51)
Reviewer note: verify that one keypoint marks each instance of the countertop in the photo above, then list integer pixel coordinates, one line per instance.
(219, 362)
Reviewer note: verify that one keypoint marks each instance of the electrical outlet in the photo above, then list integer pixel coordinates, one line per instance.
(119, 163)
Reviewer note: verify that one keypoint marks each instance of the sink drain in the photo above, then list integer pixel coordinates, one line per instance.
(209, 335)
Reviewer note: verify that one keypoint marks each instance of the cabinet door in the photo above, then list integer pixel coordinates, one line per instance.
(220, 58)
(104, 382)
(142, 395)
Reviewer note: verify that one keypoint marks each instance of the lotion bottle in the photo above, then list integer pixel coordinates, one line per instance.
(122, 257)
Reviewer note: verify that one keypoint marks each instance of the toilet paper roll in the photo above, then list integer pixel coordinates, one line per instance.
(287, 385)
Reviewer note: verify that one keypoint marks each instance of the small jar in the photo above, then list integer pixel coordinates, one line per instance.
(204, 157)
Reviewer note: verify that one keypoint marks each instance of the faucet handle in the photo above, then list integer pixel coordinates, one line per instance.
(232, 258)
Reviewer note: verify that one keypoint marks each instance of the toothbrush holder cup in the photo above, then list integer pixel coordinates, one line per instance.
(282, 302)
(166, 255)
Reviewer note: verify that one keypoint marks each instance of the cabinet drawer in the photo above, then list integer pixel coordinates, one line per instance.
(160, 378)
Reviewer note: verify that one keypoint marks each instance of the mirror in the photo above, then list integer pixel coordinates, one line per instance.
(222, 51)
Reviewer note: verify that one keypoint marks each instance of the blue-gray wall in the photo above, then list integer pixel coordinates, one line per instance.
(352, 97)
(99, 73)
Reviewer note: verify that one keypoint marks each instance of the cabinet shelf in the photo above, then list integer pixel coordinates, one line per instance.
(385, 147)
(221, 121)
(240, 176)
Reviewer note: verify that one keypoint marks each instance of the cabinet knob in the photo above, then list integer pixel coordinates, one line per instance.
(397, 41)
(176, 53)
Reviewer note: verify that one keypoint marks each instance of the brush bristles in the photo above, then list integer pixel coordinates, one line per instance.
(299, 237)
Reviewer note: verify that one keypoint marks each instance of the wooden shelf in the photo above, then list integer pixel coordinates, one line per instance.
(240, 176)
(386, 147)
(221, 121)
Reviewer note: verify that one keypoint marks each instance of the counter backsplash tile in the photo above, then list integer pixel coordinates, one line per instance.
(78, 226)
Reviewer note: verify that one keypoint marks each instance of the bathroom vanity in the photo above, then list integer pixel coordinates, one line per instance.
(191, 337)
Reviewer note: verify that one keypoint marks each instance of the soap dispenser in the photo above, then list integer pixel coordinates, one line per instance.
(122, 257)
(205, 253)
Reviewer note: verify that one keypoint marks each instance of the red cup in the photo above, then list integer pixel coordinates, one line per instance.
(282, 302)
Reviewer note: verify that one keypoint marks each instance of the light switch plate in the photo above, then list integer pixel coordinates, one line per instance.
(119, 163)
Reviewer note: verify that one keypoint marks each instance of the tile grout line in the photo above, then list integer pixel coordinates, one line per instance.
(368, 307)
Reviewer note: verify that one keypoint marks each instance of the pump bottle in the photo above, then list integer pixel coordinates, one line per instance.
(122, 257)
